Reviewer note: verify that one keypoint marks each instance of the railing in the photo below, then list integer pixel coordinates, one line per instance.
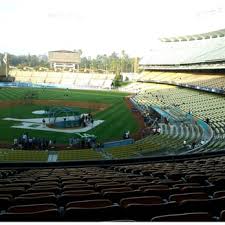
(197, 87)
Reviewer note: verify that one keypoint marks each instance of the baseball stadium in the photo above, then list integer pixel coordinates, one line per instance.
(75, 147)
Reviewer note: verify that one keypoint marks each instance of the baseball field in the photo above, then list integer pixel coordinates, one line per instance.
(110, 106)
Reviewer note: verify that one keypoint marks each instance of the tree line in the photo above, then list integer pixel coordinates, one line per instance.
(112, 63)
(115, 63)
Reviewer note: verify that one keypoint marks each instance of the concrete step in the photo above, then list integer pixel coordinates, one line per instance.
(52, 156)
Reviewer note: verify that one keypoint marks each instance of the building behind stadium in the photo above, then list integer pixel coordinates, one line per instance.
(63, 59)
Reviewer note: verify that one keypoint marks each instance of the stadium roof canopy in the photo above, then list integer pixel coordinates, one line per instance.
(63, 51)
(208, 35)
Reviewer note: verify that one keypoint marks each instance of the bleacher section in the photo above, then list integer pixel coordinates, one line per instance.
(23, 76)
(151, 145)
(52, 78)
(23, 155)
(7, 155)
(192, 78)
(202, 105)
(36, 78)
(67, 79)
(184, 190)
(87, 154)
(71, 80)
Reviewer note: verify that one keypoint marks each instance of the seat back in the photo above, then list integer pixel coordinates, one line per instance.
(77, 186)
(145, 212)
(37, 194)
(105, 213)
(196, 178)
(162, 192)
(222, 215)
(140, 200)
(184, 217)
(31, 208)
(109, 185)
(66, 198)
(121, 189)
(15, 185)
(137, 184)
(46, 215)
(218, 194)
(34, 200)
(78, 192)
(194, 195)
(6, 196)
(95, 181)
(89, 203)
(193, 205)
(4, 202)
(12, 190)
(115, 196)
(46, 183)
(54, 189)
(186, 184)
(207, 189)
(153, 186)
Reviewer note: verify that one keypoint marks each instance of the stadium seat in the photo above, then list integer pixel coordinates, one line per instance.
(65, 198)
(117, 196)
(208, 189)
(47, 188)
(77, 187)
(92, 210)
(116, 189)
(12, 190)
(100, 186)
(185, 217)
(4, 202)
(78, 191)
(124, 202)
(222, 215)
(194, 195)
(31, 208)
(218, 194)
(144, 212)
(153, 186)
(162, 192)
(34, 200)
(46, 215)
(37, 194)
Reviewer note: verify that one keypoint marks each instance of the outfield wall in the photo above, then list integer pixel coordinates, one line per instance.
(44, 85)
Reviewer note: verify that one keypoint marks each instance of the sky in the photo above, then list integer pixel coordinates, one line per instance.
(102, 26)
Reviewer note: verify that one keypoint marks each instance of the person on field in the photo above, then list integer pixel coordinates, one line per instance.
(43, 123)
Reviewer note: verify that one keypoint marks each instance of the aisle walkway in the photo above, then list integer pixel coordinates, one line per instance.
(52, 156)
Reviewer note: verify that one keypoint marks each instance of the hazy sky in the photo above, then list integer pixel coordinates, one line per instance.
(102, 26)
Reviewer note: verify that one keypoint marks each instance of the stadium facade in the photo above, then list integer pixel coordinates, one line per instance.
(198, 51)
(64, 59)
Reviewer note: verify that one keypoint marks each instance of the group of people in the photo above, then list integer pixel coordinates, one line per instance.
(193, 144)
(89, 142)
(27, 142)
(86, 119)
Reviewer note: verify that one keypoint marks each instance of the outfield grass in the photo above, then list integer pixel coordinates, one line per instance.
(117, 116)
